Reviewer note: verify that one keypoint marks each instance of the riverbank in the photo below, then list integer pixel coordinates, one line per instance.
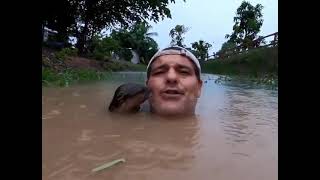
(62, 68)
(260, 65)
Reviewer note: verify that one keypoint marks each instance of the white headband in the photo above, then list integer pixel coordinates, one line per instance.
(175, 50)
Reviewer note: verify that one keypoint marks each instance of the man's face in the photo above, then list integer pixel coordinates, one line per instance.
(174, 86)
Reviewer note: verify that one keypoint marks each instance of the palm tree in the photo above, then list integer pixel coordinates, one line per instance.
(139, 33)
(201, 49)
(176, 35)
(142, 41)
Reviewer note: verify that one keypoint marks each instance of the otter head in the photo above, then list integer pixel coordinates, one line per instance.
(128, 98)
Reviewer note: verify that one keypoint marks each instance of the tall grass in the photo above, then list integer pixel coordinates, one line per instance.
(136, 67)
(68, 77)
(256, 63)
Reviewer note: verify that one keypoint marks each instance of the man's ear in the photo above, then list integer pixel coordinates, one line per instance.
(199, 88)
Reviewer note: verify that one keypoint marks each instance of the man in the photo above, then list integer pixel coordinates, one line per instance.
(173, 77)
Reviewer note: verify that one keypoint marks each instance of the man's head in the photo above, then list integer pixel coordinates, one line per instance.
(173, 76)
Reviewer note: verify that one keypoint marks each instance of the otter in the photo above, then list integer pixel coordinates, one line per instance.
(128, 97)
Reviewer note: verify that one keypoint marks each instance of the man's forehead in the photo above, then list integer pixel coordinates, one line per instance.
(172, 60)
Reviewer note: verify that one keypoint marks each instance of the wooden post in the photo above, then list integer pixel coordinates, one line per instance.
(275, 39)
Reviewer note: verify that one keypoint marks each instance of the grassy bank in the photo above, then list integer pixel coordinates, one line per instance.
(68, 77)
(63, 68)
(127, 66)
(257, 62)
(260, 65)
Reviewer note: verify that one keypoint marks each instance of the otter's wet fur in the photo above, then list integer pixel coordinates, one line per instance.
(126, 92)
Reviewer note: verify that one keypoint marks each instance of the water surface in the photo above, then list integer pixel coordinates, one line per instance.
(233, 137)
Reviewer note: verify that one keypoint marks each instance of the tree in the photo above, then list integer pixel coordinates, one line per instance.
(60, 16)
(91, 16)
(146, 46)
(201, 49)
(142, 39)
(138, 38)
(176, 35)
(227, 49)
(100, 48)
(248, 21)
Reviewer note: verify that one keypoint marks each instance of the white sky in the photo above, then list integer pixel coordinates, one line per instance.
(210, 20)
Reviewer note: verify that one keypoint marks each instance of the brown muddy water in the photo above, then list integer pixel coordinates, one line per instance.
(234, 137)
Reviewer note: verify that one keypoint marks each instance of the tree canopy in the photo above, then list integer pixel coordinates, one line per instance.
(176, 34)
(201, 49)
(85, 18)
(248, 21)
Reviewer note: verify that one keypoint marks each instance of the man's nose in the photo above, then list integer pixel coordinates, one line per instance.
(172, 76)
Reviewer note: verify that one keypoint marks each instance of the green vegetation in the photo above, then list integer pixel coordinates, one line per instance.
(84, 19)
(123, 66)
(201, 49)
(176, 35)
(268, 81)
(65, 52)
(67, 77)
(260, 64)
(137, 38)
(56, 72)
(137, 67)
(248, 21)
(72, 76)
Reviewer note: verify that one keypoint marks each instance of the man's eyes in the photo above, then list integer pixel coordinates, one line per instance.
(157, 72)
(180, 71)
(184, 71)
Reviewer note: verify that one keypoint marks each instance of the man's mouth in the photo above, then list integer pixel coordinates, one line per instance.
(172, 93)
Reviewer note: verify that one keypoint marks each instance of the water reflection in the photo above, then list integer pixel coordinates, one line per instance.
(235, 119)
(246, 115)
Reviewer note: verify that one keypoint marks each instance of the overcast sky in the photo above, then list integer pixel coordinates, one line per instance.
(210, 20)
